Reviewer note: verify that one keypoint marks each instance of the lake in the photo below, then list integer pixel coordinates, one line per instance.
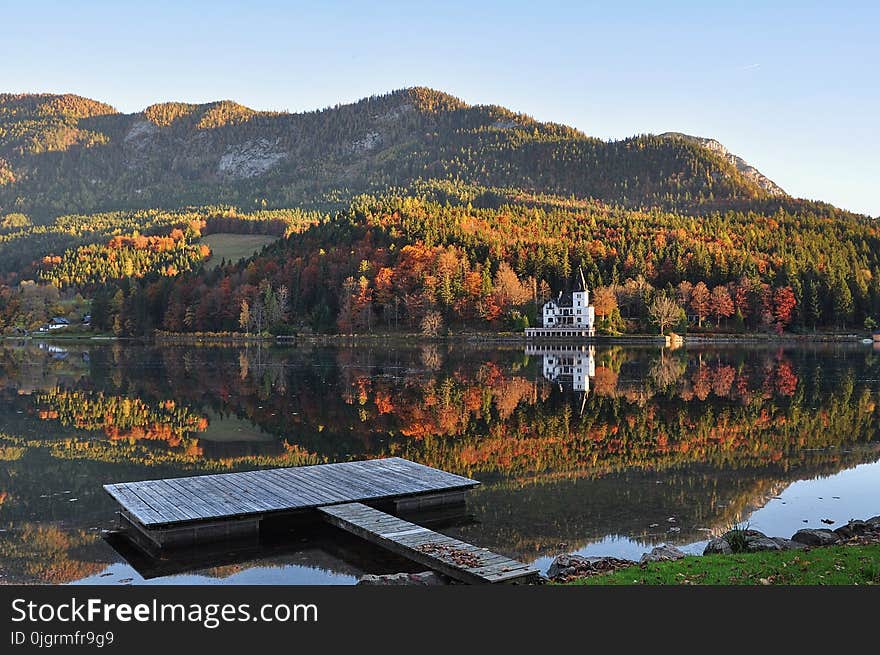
(607, 450)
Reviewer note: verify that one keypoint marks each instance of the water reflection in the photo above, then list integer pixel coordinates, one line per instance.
(569, 365)
(581, 448)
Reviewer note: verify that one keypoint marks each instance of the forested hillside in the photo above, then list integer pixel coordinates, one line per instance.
(411, 211)
(490, 257)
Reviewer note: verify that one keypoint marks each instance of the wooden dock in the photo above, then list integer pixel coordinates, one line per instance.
(164, 503)
(179, 512)
(458, 560)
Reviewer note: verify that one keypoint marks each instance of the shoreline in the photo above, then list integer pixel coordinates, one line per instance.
(741, 556)
(237, 339)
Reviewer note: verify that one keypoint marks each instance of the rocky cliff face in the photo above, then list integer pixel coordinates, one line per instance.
(741, 164)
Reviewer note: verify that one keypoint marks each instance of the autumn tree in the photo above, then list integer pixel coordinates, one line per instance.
(544, 292)
(14, 221)
(383, 293)
(742, 297)
(282, 300)
(604, 301)
(701, 302)
(432, 323)
(665, 312)
(683, 292)
(347, 301)
(784, 303)
(244, 316)
(508, 289)
(258, 316)
(721, 304)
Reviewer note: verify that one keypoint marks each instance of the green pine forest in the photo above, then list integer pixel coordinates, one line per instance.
(410, 212)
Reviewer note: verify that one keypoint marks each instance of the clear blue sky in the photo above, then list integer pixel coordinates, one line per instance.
(794, 88)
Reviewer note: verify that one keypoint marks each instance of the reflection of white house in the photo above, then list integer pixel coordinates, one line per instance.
(569, 315)
(568, 365)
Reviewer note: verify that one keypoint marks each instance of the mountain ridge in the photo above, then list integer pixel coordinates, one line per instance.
(62, 153)
(741, 164)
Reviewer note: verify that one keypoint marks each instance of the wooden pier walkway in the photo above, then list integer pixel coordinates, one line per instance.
(178, 501)
(177, 512)
(456, 559)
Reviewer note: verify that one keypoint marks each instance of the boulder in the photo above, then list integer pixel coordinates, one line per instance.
(855, 529)
(426, 578)
(662, 554)
(717, 546)
(787, 544)
(748, 541)
(860, 527)
(575, 566)
(742, 534)
(757, 544)
(845, 532)
(815, 537)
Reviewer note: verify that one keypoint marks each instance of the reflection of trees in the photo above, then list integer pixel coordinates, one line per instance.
(531, 520)
(725, 428)
(431, 358)
(191, 458)
(34, 367)
(474, 414)
(666, 370)
(122, 418)
(46, 554)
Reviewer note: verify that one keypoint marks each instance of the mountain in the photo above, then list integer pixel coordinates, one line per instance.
(741, 164)
(65, 153)
(402, 212)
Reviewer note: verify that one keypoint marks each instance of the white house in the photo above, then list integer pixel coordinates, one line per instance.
(569, 315)
(58, 323)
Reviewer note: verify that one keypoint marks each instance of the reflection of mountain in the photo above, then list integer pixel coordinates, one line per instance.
(720, 429)
(531, 520)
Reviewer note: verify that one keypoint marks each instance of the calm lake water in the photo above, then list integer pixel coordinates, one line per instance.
(600, 451)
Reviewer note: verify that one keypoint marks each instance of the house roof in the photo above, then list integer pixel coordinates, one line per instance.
(564, 299)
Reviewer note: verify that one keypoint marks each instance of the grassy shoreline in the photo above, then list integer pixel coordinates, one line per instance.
(832, 565)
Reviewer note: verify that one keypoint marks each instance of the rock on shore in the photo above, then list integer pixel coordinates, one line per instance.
(663, 553)
(749, 541)
(568, 567)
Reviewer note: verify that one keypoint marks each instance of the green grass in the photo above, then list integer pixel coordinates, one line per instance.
(836, 565)
(233, 247)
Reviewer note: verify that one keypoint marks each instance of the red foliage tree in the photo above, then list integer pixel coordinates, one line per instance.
(721, 304)
(784, 303)
(700, 301)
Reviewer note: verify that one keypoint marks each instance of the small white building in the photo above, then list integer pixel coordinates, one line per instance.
(569, 315)
(58, 323)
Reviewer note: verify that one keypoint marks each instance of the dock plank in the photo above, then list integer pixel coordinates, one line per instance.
(456, 559)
